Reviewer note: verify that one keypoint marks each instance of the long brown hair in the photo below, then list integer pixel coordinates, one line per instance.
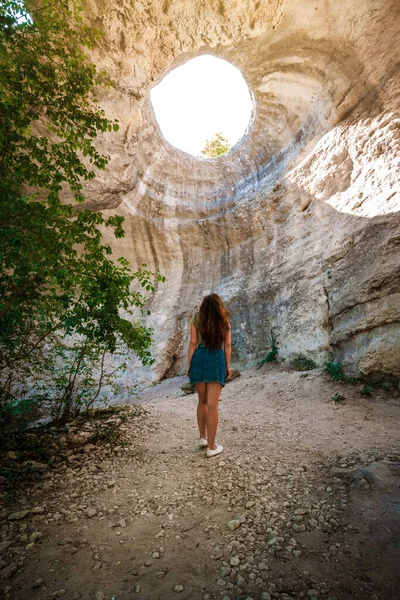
(213, 321)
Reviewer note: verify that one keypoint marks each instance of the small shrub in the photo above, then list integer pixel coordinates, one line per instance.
(19, 412)
(303, 363)
(337, 398)
(271, 356)
(273, 353)
(367, 389)
(335, 371)
(387, 386)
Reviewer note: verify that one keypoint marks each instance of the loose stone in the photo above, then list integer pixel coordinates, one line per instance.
(235, 561)
(37, 510)
(9, 571)
(178, 588)
(300, 511)
(4, 545)
(17, 516)
(35, 536)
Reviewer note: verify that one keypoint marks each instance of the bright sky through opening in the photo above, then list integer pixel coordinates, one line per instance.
(202, 97)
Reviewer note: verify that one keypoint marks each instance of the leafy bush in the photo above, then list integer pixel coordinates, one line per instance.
(337, 398)
(58, 280)
(217, 146)
(367, 390)
(335, 371)
(303, 363)
(77, 376)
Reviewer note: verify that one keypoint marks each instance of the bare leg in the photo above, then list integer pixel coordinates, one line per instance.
(213, 392)
(202, 409)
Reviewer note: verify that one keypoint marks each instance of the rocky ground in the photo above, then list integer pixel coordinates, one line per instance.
(303, 503)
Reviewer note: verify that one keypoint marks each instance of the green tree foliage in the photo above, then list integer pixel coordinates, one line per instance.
(57, 278)
(217, 146)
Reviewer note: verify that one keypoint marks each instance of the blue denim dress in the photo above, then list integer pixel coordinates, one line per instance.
(207, 365)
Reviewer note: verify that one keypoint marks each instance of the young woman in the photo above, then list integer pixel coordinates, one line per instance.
(208, 365)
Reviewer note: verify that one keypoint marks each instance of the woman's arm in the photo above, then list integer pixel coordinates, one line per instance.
(227, 350)
(192, 345)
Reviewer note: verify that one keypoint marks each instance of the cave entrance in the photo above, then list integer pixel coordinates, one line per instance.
(204, 100)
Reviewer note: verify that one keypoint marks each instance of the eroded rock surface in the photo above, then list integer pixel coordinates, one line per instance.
(296, 227)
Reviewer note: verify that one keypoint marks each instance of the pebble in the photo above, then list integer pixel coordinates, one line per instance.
(4, 545)
(37, 510)
(235, 561)
(234, 524)
(9, 571)
(35, 536)
(313, 523)
(178, 588)
(88, 448)
(91, 512)
(18, 516)
(100, 595)
(37, 583)
(300, 511)
(137, 588)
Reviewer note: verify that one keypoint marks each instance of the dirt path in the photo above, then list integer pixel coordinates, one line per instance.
(277, 515)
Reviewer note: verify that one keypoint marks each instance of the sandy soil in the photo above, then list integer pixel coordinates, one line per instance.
(310, 490)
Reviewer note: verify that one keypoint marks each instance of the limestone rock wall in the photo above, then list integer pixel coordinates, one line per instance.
(297, 227)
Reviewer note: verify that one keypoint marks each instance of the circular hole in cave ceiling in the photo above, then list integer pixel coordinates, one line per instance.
(196, 101)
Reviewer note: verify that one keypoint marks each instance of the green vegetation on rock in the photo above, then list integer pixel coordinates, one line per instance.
(303, 363)
(65, 305)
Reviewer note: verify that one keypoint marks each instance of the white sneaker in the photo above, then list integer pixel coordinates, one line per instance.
(217, 450)
(203, 443)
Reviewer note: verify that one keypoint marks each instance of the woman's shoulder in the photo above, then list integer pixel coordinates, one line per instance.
(195, 320)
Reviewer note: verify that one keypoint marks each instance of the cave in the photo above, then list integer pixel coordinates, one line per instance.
(297, 227)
